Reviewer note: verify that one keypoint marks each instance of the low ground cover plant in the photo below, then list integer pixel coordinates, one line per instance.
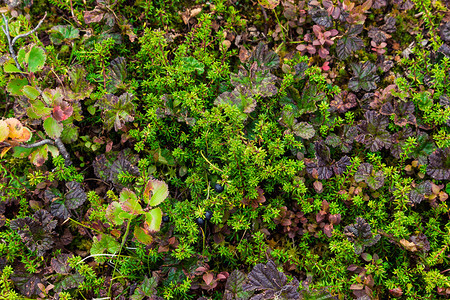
(224, 149)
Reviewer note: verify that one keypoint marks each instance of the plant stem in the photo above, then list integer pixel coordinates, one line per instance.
(124, 238)
(210, 162)
(11, 43)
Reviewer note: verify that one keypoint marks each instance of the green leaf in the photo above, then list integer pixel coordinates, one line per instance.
(39, 156)
(30, 92)
(366, 256)
(35, 59)
(159, 190)
(269, 4)
(146, 289)
(234, 286)
(53, 128)
(106, 244)
(21, 152)
(21, 56)
(69, 133)
(153, 219)
(116, 214)
(53, 150)
(142, 236)
(129, 202)
(304, 130)
(69, 282)
(60, 33)
(38, 110)
(79, 87)
(116, 75)
(116, 111)
(190, 64)
(15, 86)
(11, 68)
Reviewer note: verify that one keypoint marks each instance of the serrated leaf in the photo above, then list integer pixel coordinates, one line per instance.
(15, 86)
(146, 289)
(59, 33)
(439, 164)
(153, 220)
(62, 111)
(271, 282)
(320, 17)
(116, 214)
(59, 263)
(69, 134)
(234, 287)
(53, 128)
(37, 109)
(106, 244)
(79, 87)
(75, 197)
(376, 181)
(333, 140)
(116, 74)
(364, 171)
(364, 77)
(59, 209)
(348, 44)
(109, 166)
(27, 283)
(69, 282)
(36, 233)
(304, 130)
(190, 64)
(116, 111)
(35, 59)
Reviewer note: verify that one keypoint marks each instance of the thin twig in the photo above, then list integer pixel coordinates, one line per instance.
(29, 32)
(63, 151)
(37, 144)
(57, 142)
(11, 43)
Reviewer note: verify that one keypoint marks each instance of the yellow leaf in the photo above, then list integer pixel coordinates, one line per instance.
(269, 4)
(408, 245)
(4, 130)
(4, 151)
(15, 128)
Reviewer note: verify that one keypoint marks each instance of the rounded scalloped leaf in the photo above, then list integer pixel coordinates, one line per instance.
(26, 135)
(35, 59)
(159, 190)
(269, 4)
(153, 220)
(142, 236)
(4, 130)
(53, 128)
(16, 85)
(15, 128)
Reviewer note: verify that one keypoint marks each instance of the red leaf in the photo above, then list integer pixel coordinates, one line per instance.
(62, 112)
(208, 278)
